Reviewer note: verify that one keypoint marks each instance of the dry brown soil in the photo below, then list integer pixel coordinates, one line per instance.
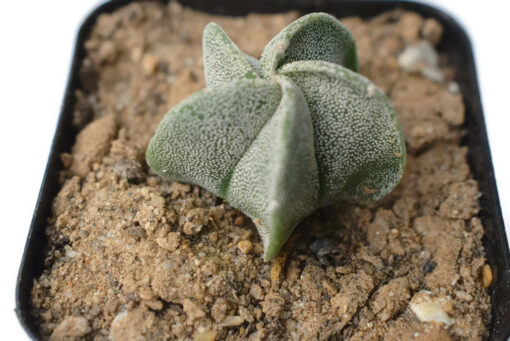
(134, 257)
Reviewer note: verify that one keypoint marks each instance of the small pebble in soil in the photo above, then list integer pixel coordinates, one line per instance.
(421, 57)
(245, 246)
(432, 30)
(239, 221)
(206, 335)
(128, 169)
(71, 328)
(453, 88)
(231, 321)
(486, 276)
(429, 266)
(192, 309)
(149, 64)
(429, 308)
(323, 246)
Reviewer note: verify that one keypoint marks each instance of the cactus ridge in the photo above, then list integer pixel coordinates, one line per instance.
(280, 136)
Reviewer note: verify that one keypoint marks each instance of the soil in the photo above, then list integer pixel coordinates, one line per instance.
(134, 257)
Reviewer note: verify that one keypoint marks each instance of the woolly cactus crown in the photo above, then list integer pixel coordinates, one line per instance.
(280, 136)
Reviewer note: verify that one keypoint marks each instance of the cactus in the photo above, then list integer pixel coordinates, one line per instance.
(283, 135)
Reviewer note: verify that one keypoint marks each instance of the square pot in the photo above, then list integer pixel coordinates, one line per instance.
(455, 44)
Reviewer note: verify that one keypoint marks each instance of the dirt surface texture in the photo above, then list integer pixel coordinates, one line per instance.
(134, 257)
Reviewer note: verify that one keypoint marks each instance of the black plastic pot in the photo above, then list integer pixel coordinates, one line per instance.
(455, 44)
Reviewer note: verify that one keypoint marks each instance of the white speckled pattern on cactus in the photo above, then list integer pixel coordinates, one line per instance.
(202, 139)
(356, 131)
(316, 36)
(282, 136)
(277, 179)
(223, 61)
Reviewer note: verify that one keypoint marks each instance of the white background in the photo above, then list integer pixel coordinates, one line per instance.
(36, 44)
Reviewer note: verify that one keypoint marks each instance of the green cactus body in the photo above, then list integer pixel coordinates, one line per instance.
(286, 134)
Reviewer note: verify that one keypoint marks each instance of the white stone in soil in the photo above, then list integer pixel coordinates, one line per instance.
(421, 57)
(430, 308)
